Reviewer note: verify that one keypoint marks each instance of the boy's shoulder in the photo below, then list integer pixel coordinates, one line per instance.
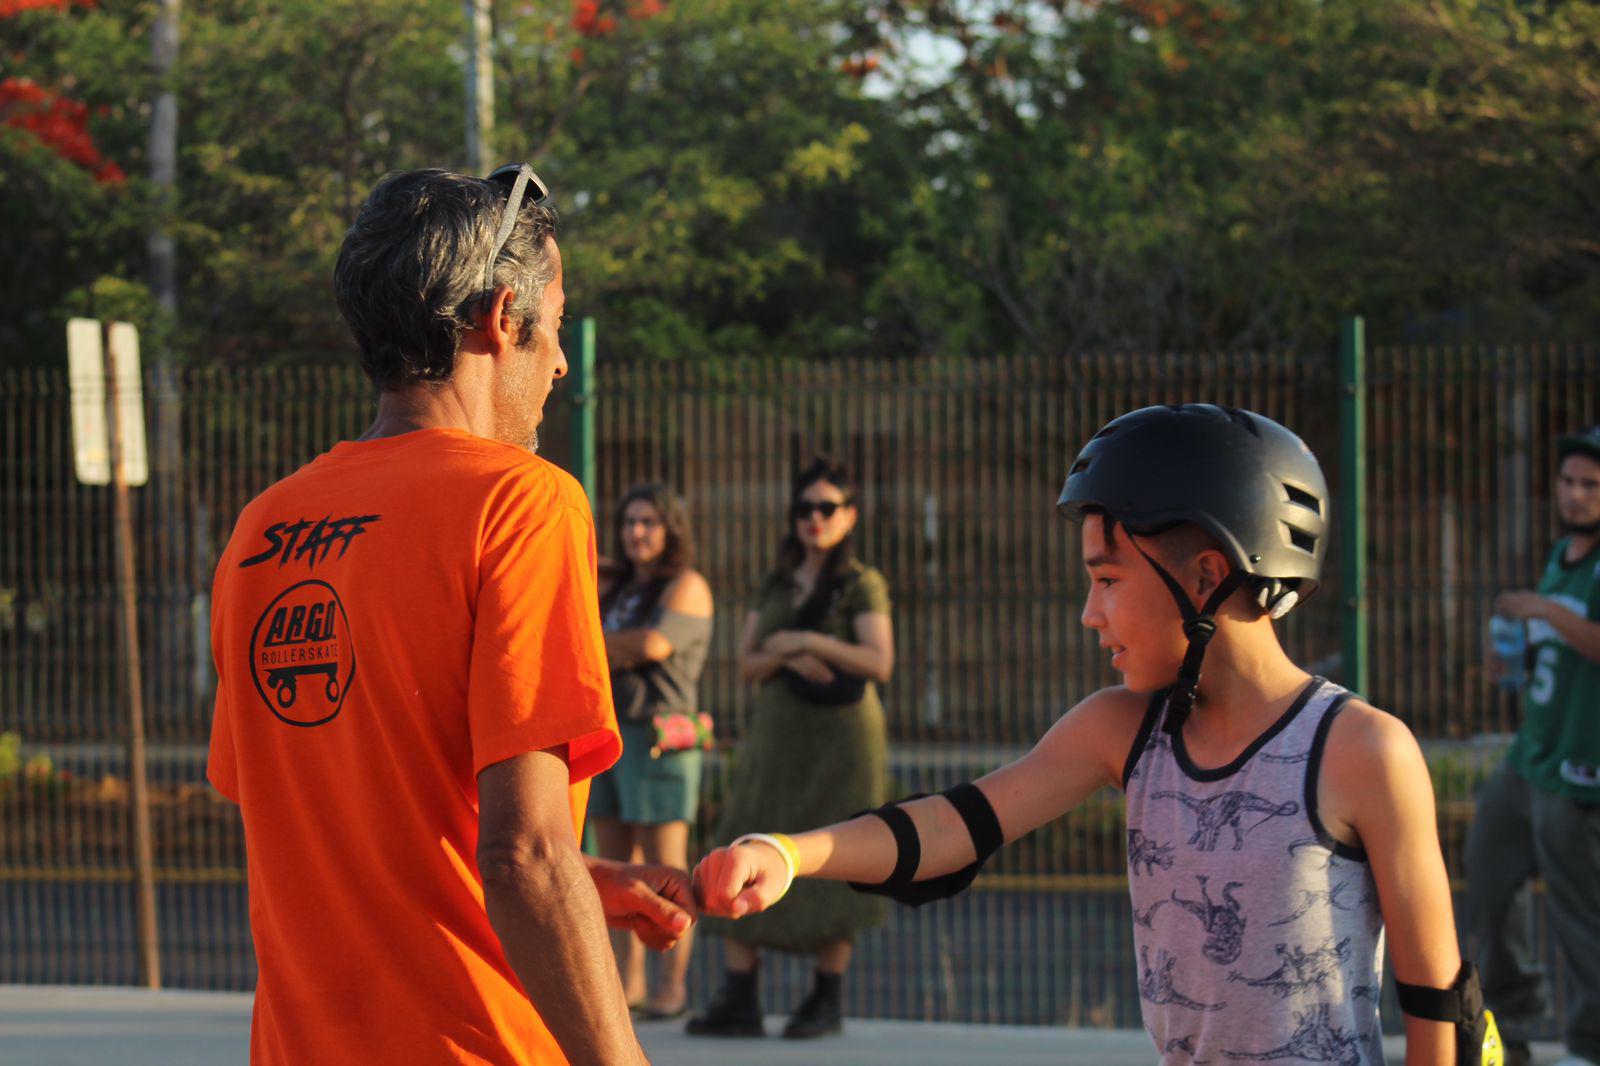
(1375, 792)
(1112, 708)
(1362, 732)
(1116, 702)
(1102, 726)
(1371, 756)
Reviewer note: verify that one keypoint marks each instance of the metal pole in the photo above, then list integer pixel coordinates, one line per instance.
(133, 688)
(582, 391)
(164, 165)
(164, 503)
(1353, 505)
(480, 85)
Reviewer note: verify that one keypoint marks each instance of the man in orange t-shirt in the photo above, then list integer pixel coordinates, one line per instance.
(413, 684)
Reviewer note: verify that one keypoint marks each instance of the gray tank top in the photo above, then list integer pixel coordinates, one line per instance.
(1259, 936)
(671, 685)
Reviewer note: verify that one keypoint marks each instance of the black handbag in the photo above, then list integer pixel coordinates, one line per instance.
(844, 688)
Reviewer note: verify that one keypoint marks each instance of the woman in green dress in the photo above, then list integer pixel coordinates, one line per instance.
(816, 643)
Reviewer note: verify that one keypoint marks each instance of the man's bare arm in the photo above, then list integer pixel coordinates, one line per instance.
(652, 901)
(1581, 634)
(543, 906)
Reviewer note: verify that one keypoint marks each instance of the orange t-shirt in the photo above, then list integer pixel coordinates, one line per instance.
(387, 621)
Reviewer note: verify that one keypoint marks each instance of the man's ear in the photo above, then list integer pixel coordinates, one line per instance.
(497, 324)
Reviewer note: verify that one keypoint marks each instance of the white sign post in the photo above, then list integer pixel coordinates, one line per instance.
(109, 448)
(87, 372)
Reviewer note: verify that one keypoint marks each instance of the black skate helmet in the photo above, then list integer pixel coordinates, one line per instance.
(1249, 482)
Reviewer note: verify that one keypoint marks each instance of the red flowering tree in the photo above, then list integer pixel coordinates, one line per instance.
(9, 8)
(53, 119)
(598, 19)
(60, 124)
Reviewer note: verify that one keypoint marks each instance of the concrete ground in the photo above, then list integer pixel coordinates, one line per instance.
(48, 1025)
(64, 1025)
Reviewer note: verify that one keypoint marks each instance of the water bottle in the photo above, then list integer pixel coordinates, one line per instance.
(1509, 639)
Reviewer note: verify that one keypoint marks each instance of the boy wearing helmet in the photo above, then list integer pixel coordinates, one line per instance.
(1276, 823)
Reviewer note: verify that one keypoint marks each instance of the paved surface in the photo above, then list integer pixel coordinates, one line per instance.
(42, 1025)
(72, 1026)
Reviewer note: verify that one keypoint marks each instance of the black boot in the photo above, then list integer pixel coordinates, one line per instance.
(735, 1011)
(821, 1014)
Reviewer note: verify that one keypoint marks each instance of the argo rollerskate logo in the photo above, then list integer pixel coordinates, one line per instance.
(301, 655)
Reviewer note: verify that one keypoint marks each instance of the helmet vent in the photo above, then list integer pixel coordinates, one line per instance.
(1106, 431)
(1243, 420)
(1303, 498)
(1078, 467)
(1306, 542)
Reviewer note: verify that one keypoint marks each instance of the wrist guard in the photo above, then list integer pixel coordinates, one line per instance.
(1477, 1038)
(975, 810)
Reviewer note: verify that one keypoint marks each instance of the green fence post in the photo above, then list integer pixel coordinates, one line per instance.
(1353, 505)
(582, 392)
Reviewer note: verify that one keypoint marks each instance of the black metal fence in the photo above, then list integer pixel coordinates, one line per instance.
(960, 463)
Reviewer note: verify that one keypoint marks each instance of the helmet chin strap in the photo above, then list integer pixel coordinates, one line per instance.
(1199, 626)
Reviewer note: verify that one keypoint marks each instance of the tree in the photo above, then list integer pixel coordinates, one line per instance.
(769, 178)
(1177, 175)
(61, 171)
(723, 182)
(1487, 116)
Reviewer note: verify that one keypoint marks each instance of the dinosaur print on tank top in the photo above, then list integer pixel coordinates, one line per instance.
(1258, 935)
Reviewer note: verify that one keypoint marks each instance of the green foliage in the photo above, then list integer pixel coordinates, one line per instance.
(713, 169)
(746, 178)
(36, 776)
(1457, 775)
(1482, 115)
(1162, 174)
(10, 756)
(62, 228)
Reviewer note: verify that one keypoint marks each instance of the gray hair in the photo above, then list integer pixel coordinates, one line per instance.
(408, 280)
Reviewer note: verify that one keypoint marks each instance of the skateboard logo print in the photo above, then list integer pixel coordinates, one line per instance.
(301, 656)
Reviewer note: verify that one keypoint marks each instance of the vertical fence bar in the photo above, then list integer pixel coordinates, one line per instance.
(583, 452)
(1353, 506)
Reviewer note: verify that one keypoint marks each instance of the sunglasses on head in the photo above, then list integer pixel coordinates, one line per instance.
(524, 185)
(807, 508)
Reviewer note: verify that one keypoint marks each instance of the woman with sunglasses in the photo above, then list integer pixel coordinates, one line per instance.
(656, 612)
(816, 643)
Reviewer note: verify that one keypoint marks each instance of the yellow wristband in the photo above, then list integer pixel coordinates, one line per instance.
(785, 846)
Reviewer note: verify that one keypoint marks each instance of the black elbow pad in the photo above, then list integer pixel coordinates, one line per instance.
(1477, 1037)
(982, 824)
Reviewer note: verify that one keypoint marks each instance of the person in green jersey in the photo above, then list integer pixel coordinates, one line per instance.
(1540, 811)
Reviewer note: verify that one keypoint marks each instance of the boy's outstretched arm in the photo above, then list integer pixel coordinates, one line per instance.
(1375, 788)
(1082, 752)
